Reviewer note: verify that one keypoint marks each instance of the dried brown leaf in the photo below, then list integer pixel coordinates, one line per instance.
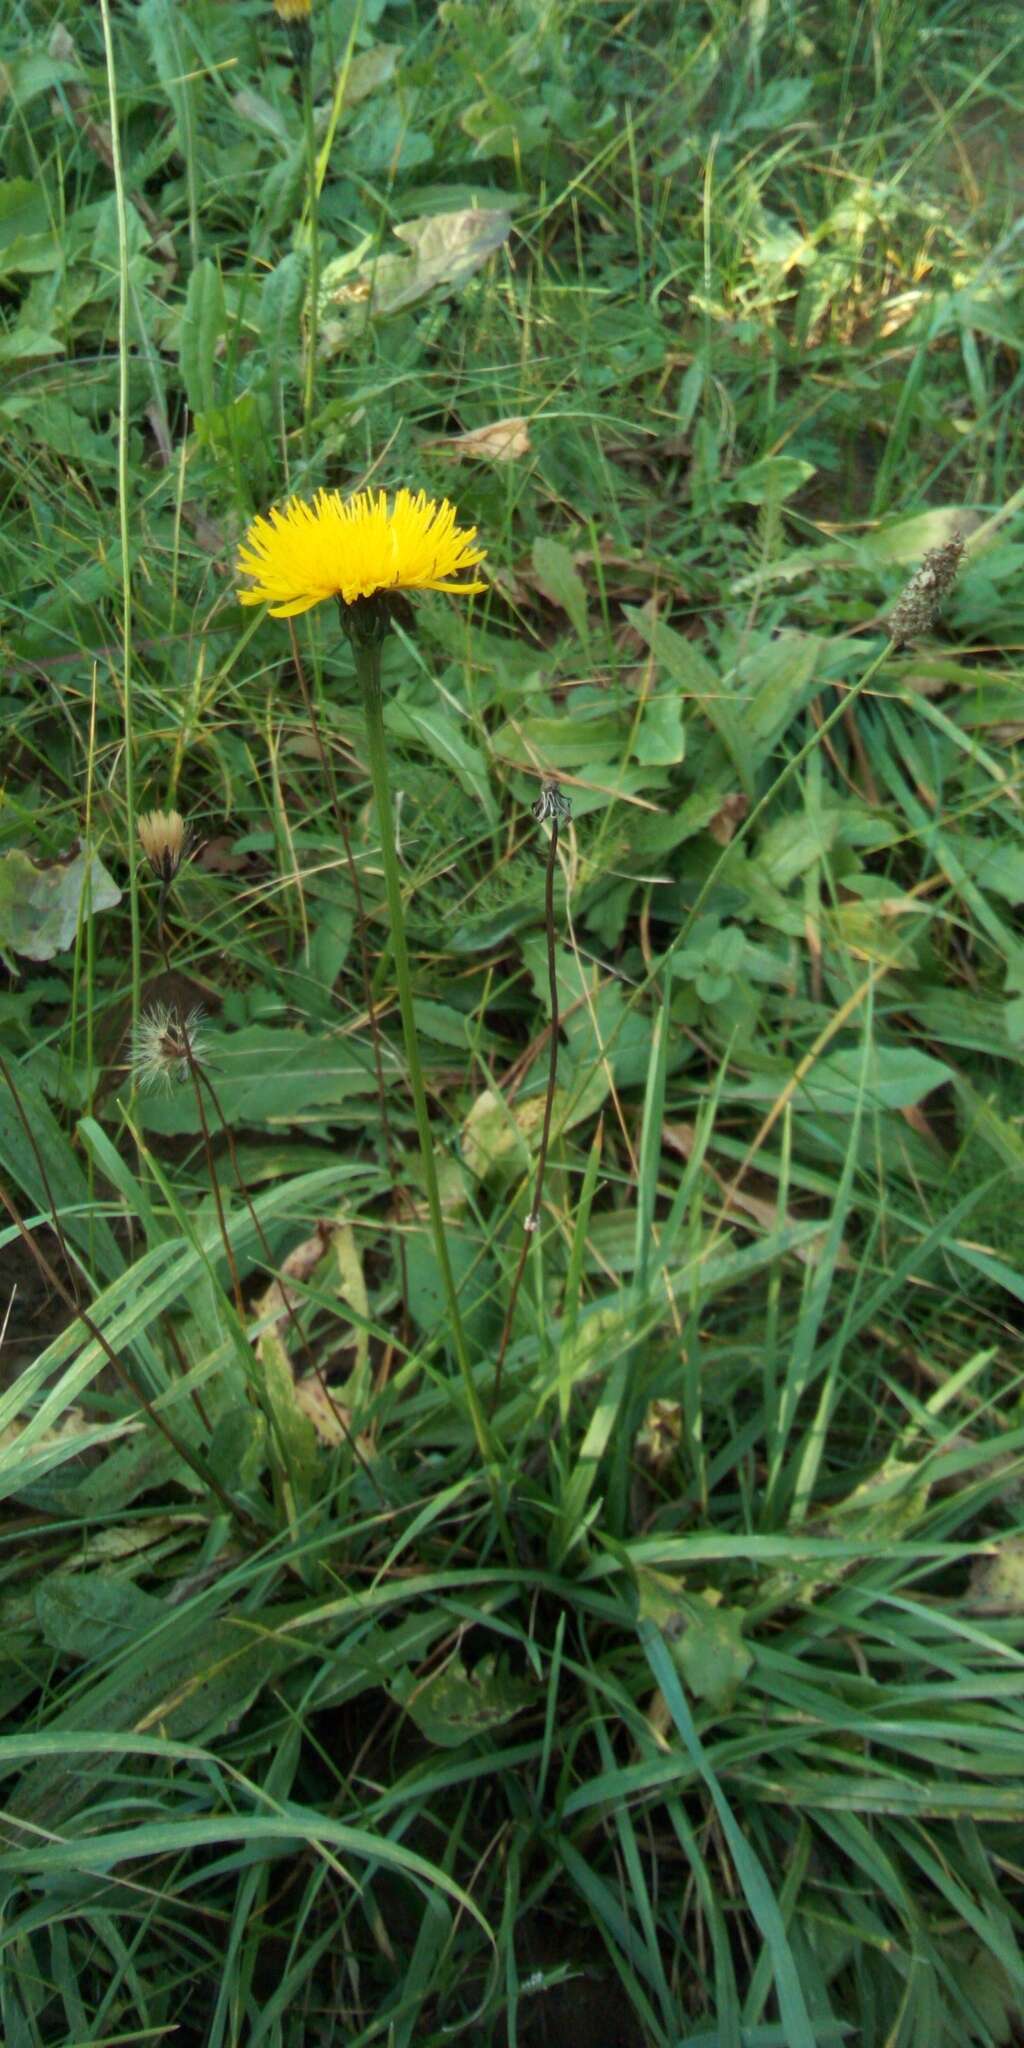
(500, 441)
(329, 1418)
(725, 821)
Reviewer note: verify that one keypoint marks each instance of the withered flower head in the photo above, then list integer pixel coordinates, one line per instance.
(167, 1044)
(918, 608)
(552, 804)
(164, 841)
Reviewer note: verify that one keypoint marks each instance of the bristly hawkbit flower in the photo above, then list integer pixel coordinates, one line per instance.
(166, 1046)
(292, 10)
(918, 608)
(164, 841)
(355, 548)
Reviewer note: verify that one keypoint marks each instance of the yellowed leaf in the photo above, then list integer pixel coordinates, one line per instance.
(73, 1423)
(369, 70)
(444, 250)
(329, 1418)
(352, 1288)
(662, 1433)
(300, 1264)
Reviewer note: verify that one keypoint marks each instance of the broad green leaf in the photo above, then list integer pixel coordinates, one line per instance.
(454, 1704)
(94, 1614)
(330, 940)
(795, 843)
(256, 112)
(689, 668)
(896, 1077)
(144, 1464)
(169, 1677)
(776, 680)
(549, 743)
(41, 909)
(24, 77)
(661, 738)
(711, 1653)
(439, 732)
(443, 1024)
(476, 1284)
(889, 1503)
(267, 1076)
(27, 341)
(560, 580)
(771, 480)
(776, 104)
(281, 299)
(28, 241)
(995, 864)
(203, 323)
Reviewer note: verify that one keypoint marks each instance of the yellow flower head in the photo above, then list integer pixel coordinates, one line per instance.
(292, 10)
(353, 547)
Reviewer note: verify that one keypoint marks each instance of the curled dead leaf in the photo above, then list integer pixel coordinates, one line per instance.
(499, 441)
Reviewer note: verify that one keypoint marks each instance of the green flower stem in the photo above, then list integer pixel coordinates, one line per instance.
(124, 512)
(368, 667)
(313, 205)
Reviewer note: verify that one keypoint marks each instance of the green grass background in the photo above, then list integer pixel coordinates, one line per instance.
(698, 1717)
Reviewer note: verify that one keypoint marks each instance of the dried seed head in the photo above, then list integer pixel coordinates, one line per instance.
(164, 841)
(166, 1046)
(919, 606)
(552, 803)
